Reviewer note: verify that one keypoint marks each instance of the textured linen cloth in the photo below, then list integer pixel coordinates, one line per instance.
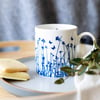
(18, 17)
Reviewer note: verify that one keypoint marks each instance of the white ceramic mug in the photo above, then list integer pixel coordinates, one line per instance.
(55, 45)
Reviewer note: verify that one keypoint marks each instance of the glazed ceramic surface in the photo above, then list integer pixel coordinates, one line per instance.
(55, 45)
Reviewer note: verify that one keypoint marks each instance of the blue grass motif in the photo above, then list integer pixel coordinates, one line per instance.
(53, 47)
(59, 40)
(50, 42)
(49, 59)
(63, 43)
(72, 38)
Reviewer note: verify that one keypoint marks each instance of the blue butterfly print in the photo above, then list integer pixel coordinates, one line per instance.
(42, 47)
(63, 42)
(60, 51)
(53, 47)
(43, 58)
(50, 42)
(58, 38)
(72, 38)
(43, 40)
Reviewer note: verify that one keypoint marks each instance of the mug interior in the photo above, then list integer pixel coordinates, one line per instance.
(56, 27)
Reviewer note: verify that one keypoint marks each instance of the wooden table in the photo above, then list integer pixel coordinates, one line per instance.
(25, 49)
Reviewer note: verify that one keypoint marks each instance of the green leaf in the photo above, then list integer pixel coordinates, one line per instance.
(76, 61)
(71, 73)
(82, 70)
(89, 57)
(68, 69)
(98, 66)
(91, 72)
(59, 81)
(97, 59)
(92, 65)
(85, 62)
(93, 54)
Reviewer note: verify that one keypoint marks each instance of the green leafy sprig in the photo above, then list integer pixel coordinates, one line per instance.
(89, 65)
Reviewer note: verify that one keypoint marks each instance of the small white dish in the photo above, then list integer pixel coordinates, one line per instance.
(38, 85)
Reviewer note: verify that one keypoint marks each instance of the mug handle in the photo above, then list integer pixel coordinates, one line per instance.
(92, 37)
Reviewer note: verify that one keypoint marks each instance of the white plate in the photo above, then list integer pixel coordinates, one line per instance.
(38, 85)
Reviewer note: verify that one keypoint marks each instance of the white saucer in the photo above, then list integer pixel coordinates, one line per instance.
(38, 85)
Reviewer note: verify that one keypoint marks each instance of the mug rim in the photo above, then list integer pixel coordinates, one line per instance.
(54, 27)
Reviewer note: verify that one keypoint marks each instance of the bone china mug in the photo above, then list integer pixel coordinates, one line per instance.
(55, 45)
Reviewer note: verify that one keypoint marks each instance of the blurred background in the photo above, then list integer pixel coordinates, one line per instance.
(19, 17)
